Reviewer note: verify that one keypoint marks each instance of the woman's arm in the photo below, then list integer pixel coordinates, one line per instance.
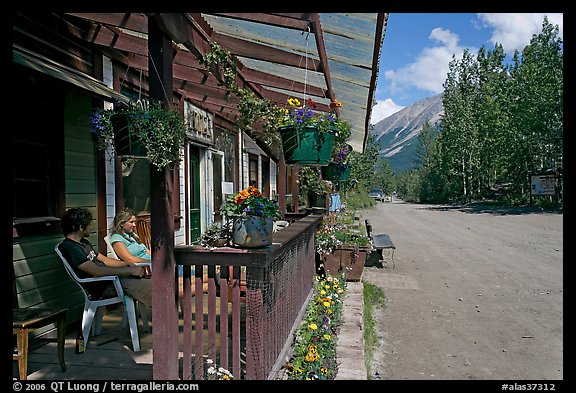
(122, 251)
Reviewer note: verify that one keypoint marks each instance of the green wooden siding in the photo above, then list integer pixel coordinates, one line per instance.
(40, 277)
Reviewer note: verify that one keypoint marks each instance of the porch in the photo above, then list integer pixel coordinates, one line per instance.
(244, 332)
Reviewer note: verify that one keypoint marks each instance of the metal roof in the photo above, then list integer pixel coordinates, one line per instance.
(322, 56)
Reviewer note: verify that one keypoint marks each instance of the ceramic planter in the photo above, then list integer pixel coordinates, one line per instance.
(252, 231)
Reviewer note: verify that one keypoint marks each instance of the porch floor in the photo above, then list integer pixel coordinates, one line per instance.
(109, 356)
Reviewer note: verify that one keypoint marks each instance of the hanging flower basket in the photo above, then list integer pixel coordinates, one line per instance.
(306, 145)
(126, 142)
(252, 231)
(335, 172)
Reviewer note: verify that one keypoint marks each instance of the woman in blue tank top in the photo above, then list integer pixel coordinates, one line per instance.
(125, 242)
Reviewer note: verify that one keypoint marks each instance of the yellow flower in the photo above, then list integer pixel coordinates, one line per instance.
(313, 326)
(312, 356)
(326, 304)
(293, 102)
(327, 337)
(322, 292)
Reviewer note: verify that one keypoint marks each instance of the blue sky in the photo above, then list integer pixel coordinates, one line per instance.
(418, 47)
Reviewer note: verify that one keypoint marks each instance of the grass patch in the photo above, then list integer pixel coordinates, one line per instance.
(373, 297)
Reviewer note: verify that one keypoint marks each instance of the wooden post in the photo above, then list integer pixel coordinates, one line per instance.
(164, 294)
(281, 184)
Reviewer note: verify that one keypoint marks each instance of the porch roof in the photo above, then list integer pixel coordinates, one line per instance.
(323, 56)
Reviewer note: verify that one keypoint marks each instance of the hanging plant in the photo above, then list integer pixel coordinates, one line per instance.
(253, 110)
(258, 113)
(160, 132)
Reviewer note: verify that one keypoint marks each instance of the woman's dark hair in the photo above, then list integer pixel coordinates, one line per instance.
(74, 218)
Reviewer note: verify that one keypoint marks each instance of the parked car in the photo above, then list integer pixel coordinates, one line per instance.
(377, 194)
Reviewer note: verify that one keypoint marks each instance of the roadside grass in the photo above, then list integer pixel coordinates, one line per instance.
(373, 297)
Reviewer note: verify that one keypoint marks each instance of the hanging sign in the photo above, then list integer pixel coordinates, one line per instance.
(200, 122)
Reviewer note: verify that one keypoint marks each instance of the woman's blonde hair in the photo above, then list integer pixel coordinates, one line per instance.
(120, 219)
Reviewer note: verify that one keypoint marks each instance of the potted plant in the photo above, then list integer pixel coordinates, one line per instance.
(215, 235)
(313, 190)
(342, 250)
(308, 136)
(141, 130)
(252, 216)
(339, 167)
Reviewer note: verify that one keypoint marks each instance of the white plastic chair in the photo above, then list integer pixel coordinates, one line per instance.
(92, 308)
(279, 224)
(141, 307)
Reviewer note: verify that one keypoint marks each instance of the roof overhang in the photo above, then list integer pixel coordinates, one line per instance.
(322, 56)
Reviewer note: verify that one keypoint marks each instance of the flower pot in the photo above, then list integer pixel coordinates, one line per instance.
(306, 145)
(348, 260)
(126, 142)
(252, 231)
(335, 172)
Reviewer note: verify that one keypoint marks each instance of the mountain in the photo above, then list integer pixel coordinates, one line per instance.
(397, 135)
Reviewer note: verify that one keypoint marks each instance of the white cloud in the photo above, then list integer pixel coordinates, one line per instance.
(428, 72)
(383, 109)
(514, 31)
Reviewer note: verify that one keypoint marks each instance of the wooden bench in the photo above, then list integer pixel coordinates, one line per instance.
(380, 242)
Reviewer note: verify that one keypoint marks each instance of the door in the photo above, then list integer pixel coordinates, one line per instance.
(194, 194)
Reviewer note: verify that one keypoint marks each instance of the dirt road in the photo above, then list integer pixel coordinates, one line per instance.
(475, 294)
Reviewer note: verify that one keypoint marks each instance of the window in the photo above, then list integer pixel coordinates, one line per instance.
(37, 152)
(253, 170)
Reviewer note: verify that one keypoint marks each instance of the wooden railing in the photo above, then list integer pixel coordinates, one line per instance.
(245, 331)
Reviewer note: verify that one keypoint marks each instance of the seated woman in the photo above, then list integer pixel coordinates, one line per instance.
(128, 246)
(125, 242)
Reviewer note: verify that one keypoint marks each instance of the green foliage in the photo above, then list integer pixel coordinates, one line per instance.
(259, 113)
(253, 110)
(328, 237)
(499, 124)
(162, 131)
(314, 354)
(249, 202)
(374, 297)
(310, 184)
(359, 199)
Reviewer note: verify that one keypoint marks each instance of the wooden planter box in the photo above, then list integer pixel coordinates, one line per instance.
(348, 260)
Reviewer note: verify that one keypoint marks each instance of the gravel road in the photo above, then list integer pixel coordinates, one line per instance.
(476, 294)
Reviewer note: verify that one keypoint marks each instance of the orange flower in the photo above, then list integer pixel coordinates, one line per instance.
(335, 104)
